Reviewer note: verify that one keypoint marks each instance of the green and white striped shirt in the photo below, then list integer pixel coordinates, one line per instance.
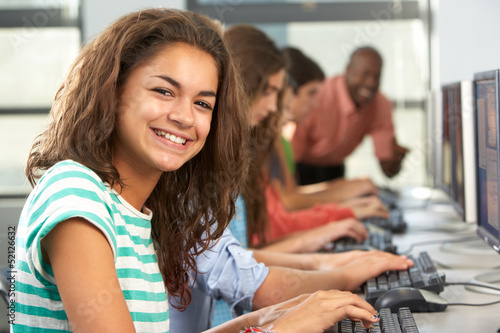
(68, 190)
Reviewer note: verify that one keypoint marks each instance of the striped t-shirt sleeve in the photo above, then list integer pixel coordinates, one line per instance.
(69, 191)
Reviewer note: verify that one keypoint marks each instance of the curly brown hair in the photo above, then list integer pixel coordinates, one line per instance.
(192, 205)
(257, 58)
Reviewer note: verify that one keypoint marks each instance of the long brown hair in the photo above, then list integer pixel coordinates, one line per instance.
(257, 58)
(191, 206)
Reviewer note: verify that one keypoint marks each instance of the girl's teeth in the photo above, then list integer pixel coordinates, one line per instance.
(171, 137)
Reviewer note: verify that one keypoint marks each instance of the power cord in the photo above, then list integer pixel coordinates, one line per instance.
(440, 264)
(451, 227)
(474, 285)
(437, 241)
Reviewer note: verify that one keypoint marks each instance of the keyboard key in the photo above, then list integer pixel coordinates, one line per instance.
(426, 262)
(404, 279)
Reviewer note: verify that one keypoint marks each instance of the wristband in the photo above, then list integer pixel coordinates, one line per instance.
(259, 330)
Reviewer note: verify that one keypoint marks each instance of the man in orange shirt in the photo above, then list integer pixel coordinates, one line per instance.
(348, 107)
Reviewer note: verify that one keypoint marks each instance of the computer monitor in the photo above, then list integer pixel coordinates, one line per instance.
(446, 162)
(459, 152)
(434, 138)
(433, 197)
(487, 159)
(486, 120)
(468, 191)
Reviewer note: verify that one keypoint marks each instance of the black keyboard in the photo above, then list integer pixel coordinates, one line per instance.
(378, 239)
(394, 223)
(401, 322)
(388, 196)
(422, 275)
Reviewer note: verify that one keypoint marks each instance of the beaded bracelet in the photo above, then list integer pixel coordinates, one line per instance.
(259, 330)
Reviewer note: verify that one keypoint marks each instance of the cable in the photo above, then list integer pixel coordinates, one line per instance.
(437, 263)
(470, 304)
(437, 241)
(440, 264)
(452, 226)
(444, 266)
(475, 285)
(427, 202)
(471, 284)
(424, 205)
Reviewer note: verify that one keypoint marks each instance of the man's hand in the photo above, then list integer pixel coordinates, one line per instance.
(393, 166)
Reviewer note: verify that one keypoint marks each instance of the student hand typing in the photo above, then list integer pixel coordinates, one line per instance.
(329, 261)
(354, 188)
(321, 311)
(309, 313)
(371, 265)
(342, 189)
(314, 239)
(367, 207)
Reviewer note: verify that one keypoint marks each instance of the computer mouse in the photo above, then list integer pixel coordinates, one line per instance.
(418, 300)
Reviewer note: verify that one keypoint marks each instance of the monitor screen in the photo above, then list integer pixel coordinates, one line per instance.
(486, 119)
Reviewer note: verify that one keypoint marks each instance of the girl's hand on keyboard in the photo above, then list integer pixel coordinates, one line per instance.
(371, 265)
(321, 311)
(367, 207)
(329, 261)
(314, 239)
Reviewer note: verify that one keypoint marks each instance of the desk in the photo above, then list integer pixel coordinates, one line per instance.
(460, 268)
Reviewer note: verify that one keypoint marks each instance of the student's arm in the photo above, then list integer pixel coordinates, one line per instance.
(306, 313)
(360, 207)
(342, 188)
(283, 222)
(83, 266)
(367, 207)
(326, 192)
(316, 238)
(285, 283)
(308, 261)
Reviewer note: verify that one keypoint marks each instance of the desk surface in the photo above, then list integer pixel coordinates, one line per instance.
(459, 261)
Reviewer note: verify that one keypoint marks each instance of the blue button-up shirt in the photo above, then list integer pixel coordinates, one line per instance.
(229, 273)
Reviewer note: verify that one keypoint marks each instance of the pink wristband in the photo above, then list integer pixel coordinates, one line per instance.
(259, 330)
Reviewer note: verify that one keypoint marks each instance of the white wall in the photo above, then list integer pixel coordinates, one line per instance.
(469, 38)
(97, 14)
